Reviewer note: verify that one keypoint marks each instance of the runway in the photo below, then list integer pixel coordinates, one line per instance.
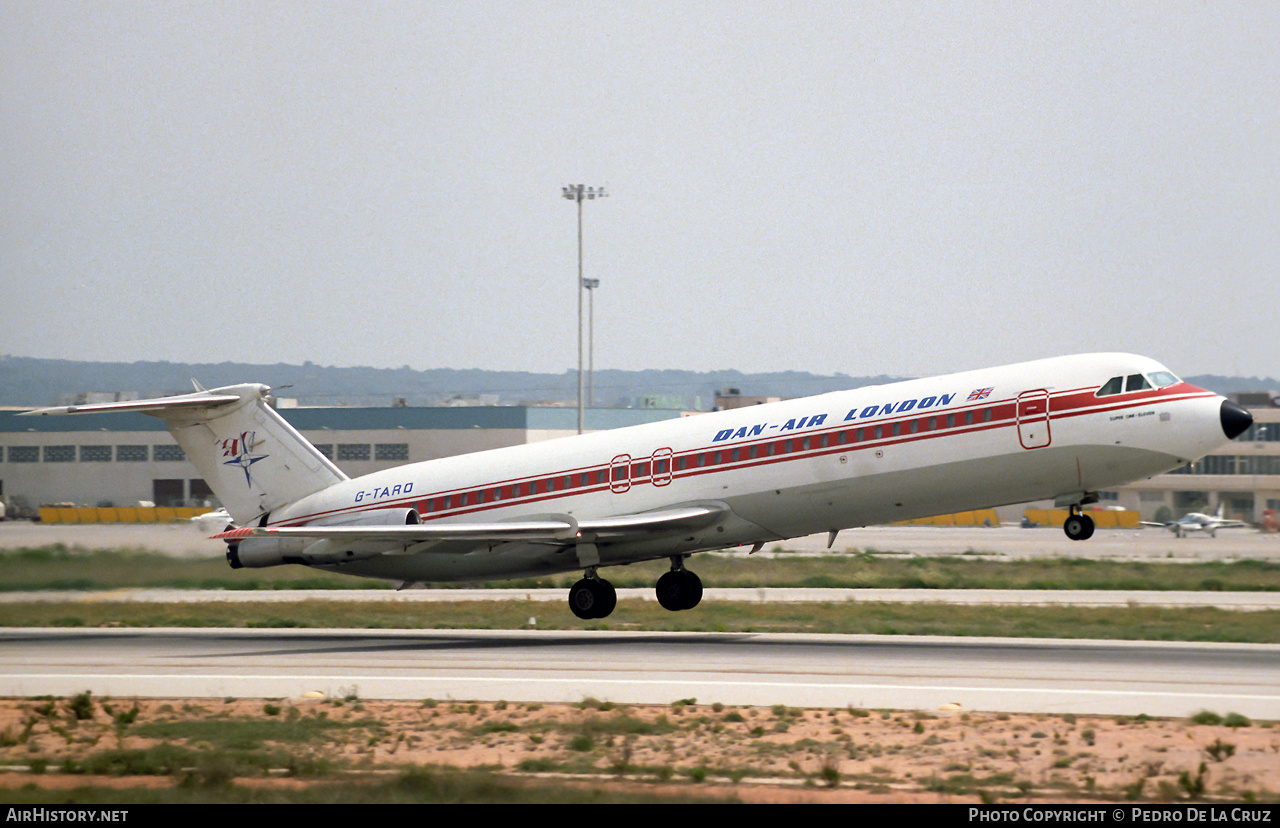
(873, 672)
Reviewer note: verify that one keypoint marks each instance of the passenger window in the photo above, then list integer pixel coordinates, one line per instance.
(1114, 386)
(1136, 382)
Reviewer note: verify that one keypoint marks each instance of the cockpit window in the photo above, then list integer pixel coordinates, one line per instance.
(1115, 385)
(1163, 379)
(1136, 382)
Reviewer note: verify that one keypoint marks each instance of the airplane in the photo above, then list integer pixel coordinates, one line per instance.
(1061, 428)
(1198, 522)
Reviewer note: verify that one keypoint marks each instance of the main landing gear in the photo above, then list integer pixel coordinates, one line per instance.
(594, 597)
(679, 589)
(1078, 525)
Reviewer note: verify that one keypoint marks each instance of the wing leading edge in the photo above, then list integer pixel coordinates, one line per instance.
(556, 528)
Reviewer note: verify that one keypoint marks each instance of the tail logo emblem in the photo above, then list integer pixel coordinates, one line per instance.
(238, 451)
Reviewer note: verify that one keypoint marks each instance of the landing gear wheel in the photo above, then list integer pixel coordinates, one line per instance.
(1078, 527)
(679, 589)
(592, 598)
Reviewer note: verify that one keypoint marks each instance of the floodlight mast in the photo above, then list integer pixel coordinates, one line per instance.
(591, 285)
(580, 193)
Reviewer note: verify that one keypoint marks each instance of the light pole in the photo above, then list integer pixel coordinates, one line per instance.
(579, 193)
(591, 285)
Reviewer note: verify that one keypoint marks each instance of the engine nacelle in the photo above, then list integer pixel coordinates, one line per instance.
(254, 553)
(377, 517)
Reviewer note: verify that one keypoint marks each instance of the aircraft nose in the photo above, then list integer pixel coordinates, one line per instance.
(1235, 419)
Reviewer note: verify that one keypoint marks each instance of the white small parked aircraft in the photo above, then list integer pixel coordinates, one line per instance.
(1194, 522)
(1058, 429)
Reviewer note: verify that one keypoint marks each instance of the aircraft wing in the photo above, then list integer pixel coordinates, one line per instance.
(1151, 523)
(564, 528)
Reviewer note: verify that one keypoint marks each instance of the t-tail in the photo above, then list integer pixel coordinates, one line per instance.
(251, 458)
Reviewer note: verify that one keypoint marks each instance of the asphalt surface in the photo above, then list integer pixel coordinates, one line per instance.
(886, 672)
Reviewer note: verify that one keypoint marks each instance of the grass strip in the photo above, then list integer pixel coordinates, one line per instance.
(62, 568)
(1120, 623)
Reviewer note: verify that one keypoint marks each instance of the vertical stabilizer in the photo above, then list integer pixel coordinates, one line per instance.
(251, 458)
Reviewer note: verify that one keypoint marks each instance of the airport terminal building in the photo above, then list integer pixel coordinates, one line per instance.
(124, 459)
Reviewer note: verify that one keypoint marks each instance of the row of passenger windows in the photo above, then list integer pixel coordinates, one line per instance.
(621, 474)
(1136, 382)
(91, 454)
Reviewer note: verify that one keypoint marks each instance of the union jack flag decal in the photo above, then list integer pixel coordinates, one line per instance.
(980, 394)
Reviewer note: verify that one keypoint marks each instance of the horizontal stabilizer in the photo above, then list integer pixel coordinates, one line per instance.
(200, 399)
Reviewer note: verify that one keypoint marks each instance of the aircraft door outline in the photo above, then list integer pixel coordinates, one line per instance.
(1033, 419)
(620, 473)
(660, 464)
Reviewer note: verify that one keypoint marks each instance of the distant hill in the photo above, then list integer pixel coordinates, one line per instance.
(27, 381)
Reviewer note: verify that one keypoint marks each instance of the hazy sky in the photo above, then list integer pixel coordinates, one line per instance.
(870, 187)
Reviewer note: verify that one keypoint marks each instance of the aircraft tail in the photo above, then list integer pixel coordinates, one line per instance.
(252, 459)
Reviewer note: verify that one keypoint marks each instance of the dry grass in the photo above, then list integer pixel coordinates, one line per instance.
(748, 753)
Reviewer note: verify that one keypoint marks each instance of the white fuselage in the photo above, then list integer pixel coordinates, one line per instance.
(872, 455)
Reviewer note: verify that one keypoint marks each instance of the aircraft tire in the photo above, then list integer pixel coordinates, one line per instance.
(1078, 527)
(679, 590)
(592, 598)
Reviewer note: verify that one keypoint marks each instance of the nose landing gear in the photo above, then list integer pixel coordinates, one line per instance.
(1078, 526)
